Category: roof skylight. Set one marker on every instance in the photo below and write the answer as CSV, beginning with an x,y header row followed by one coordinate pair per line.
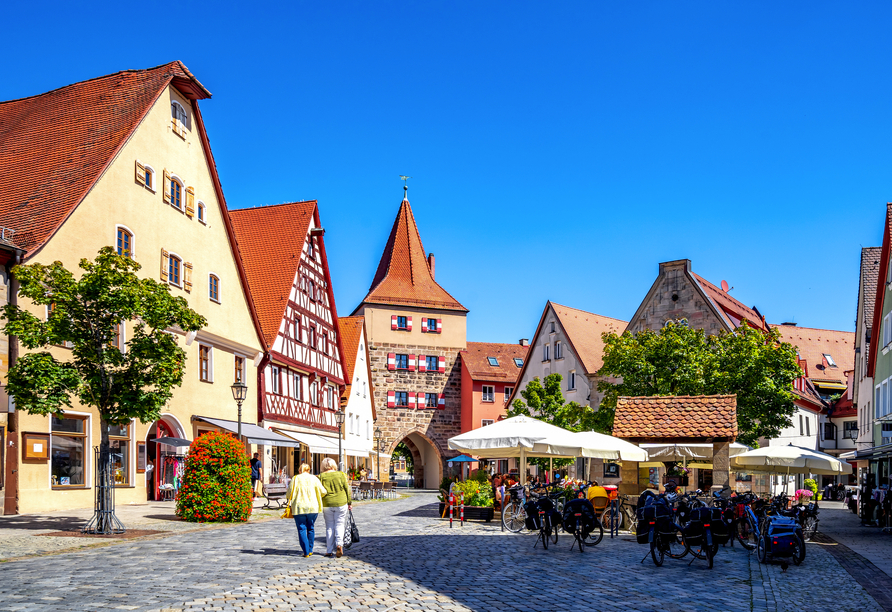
x,y
493,361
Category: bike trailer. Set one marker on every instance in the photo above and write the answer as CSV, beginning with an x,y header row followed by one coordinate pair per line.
x,y
581,511
781,536
652,516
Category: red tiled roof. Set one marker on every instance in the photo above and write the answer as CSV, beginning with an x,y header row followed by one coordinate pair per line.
x,y
678,416
403,277
475,359
584,331
351,332
734,310
55,146
813,343
271,256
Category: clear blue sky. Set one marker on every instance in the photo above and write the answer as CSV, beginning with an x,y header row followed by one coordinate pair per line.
x,y
559,150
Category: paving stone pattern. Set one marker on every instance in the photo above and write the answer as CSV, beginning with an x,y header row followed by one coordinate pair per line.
x,y
410,560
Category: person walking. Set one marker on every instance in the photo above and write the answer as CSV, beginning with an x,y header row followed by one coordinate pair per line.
x,y
256,473
336,502
305,498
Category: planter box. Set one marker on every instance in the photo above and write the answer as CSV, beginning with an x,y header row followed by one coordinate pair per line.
x,y
472,513
681,481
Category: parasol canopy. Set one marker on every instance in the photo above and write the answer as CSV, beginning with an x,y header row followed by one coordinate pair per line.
x,y
512,437
790,460
592,444
680,452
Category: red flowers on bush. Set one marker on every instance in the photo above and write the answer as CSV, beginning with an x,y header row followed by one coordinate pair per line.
x,y
217,482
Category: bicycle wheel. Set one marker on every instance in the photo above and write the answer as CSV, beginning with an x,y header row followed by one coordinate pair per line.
x,y
677,547
799,555
656,551
554,534
809,528
544,533
763,550
608,521
746,533
514,516
710,553
595,535
632,521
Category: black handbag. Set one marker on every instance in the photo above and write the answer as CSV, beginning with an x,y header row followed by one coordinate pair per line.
x,y
354,530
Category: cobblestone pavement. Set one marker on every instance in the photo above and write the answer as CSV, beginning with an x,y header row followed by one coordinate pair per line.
x,y
410,560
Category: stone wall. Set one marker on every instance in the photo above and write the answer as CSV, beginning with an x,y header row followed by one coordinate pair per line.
x,y
430,425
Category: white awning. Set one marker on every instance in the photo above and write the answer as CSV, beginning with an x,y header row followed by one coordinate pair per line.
x,y
322,445
254,434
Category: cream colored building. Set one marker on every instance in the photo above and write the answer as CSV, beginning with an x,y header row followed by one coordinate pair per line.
x,y
123,160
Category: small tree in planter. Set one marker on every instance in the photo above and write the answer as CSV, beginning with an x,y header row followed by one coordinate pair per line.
x,y
217,482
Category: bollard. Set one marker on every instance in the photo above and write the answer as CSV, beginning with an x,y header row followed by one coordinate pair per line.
x,y
451,508
461,511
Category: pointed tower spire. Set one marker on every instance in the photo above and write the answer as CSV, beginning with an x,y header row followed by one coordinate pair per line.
x,y
404,277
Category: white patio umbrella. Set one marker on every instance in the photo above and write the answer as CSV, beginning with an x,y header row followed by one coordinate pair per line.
x,y
595,445
681,452
790,460
515,437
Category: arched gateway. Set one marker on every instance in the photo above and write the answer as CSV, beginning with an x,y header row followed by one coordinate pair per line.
x,y
415,332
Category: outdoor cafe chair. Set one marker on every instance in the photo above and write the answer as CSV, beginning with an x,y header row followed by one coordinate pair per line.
x,y
378,488
600,502
388,489
365,490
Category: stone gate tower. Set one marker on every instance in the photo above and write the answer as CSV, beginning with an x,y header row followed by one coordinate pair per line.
x,y
415,332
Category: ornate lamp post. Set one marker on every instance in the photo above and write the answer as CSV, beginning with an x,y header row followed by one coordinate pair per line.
x,y
378,437
239,394
339,416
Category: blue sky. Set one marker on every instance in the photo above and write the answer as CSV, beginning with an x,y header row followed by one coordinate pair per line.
x,y
559,150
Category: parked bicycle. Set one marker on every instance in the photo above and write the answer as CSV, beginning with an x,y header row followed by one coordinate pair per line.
x,y
514,514
619,514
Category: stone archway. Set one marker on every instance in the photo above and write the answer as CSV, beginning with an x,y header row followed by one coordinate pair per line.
x,y
426,457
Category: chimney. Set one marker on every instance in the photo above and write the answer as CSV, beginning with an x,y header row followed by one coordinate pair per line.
x,y
430,264
524,342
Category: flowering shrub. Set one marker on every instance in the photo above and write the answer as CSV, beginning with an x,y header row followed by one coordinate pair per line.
x,y
476,493
217,482
802,495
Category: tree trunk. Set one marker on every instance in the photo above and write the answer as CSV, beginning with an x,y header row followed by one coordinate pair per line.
x,y
104,520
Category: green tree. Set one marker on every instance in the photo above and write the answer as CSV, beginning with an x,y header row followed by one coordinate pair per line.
x,y
402,452
544,400
85,315
755,365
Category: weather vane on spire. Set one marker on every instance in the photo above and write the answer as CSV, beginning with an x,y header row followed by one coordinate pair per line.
x,y
405,180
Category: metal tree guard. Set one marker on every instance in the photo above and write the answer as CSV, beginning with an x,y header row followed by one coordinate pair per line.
x,y
104,521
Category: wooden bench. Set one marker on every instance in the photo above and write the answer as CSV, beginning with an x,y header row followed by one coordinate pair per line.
x,y
275,493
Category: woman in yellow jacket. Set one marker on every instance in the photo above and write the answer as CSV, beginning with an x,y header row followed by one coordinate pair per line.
x,y
305,498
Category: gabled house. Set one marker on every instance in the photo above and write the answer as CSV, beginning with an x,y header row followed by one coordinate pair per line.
x,y
358,397
124,160
489,372
862,393
415,331
301,373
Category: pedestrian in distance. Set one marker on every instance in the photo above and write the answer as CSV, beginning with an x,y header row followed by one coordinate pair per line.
x,y
336,502
256,473
305,494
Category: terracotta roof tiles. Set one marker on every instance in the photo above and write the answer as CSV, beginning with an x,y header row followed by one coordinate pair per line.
x,y
403,277
583,330
54,146
476,359
679,416
733,309
812,344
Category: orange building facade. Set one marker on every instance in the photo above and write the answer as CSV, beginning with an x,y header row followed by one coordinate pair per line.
x,y
489,373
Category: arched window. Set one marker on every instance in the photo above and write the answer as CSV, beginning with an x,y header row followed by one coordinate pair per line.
x,y
124,242
173,270
150,178
214,288
178,119
202,212
176,194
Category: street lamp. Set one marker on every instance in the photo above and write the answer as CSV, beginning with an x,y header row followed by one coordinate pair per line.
x,y
239,394
378,436
339,416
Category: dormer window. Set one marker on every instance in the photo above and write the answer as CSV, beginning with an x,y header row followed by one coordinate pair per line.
x,y
178,119
829,360
493,361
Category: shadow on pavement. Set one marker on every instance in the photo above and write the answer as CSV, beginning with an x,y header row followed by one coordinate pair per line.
x,y
426,511
29,521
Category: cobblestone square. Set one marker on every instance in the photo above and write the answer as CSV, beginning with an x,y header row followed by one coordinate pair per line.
x,y
409,559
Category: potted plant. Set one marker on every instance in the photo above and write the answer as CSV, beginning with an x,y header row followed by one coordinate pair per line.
x,y
478,500
676,473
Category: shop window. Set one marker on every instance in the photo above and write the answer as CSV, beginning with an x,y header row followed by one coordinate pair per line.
x,y
68,448
119,446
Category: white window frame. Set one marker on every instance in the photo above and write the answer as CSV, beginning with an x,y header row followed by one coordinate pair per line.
x,y
187,121
571,380
154,176
485,422
887,329
201,212
558,350
491,393
546,352
88,448
886,398
350,424
275,383
121,226
508,392
219,284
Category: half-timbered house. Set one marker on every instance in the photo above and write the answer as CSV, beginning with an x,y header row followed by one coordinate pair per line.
x,y
301,373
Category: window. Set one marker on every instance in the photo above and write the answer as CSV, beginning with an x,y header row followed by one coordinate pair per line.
x,y
118,340
119,446
178,119
571,381
801,429
350,423
202,213
239,369
489,393
274,379
402,323
829,360
431,400
887,329
149,178
807,426
402,362
214,288
493,361
298,386
311,335
205,373
311,290
485,422
558,351
518,362
508,392
850,430
552,327
124,242
68,446
368,430
433,363
886,433
432,325
314,394
173,270
402,398
545,352
884,409
176,194
311,247
829,431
